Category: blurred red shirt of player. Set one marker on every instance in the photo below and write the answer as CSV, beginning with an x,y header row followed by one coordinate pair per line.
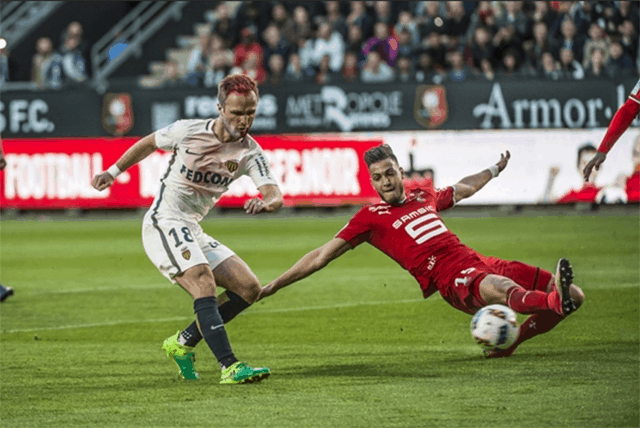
x,y
589,190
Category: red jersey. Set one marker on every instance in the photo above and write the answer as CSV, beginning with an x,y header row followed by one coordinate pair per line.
x,y
588,193
414,235
633,186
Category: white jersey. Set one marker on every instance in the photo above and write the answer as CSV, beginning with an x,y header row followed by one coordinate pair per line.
x,y
202,168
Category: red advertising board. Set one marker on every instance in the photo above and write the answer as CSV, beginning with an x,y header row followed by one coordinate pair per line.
x,y
56,173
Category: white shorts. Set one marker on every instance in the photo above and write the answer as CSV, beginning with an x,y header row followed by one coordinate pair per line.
x,y
174,246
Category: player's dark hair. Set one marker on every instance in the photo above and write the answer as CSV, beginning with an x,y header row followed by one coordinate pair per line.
x,y
586,147
379,153
238,83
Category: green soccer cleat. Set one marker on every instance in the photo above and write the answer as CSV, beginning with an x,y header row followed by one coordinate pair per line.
x,y
241,373
183,356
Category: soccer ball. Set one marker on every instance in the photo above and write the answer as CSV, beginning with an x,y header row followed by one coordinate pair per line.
x,y
495,327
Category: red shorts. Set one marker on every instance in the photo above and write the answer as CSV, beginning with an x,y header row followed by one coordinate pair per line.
x,y
462,290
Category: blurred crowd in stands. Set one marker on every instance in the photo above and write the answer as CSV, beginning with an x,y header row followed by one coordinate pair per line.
x,y
389,41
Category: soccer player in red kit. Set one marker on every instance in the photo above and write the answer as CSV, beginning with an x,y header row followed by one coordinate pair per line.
x,y
406,226
620,122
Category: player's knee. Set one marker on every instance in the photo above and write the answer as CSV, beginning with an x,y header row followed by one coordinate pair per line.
x,y
576,294
251,290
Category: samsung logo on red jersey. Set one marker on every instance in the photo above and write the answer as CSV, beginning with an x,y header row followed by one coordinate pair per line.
x,y
206,177
414,214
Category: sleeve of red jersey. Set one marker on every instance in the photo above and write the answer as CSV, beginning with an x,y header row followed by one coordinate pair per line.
x,y
357,230
621,120
445,198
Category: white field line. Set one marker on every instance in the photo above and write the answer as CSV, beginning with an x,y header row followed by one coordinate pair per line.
x,y
250,312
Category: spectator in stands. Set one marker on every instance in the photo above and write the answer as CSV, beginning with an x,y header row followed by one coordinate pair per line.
x,y
74,65
358,17
620,63
224,25
376,70
74,29
335,18
429,16
436,50
46,65
328,42
251,67
220,62
383,43
275,44
404,72
406,23
294,72
542,43
597,41
405,45
512,15
382,13
350,70
325,75
570,40
597,64
280,17
305,51
254,14
581,13
459,71
488,73
4,65
549,68
543,13
506,39
427,71
276,69
171,75
455,25
571,68
509,66
356,42
629,39
481,46
247,45
198,61
301,24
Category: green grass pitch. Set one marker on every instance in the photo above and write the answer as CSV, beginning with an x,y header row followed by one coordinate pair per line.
x,y
354,345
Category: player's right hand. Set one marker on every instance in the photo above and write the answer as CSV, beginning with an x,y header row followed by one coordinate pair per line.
x,y
595,162
267,290
102,181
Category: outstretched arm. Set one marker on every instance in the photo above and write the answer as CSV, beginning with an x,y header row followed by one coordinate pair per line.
x,y
468,186
620,122
135,154
310,263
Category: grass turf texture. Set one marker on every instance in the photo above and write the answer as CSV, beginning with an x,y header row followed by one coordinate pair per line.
x,y
353,345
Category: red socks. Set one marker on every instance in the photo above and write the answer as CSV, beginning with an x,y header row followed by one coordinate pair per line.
x,y
528,301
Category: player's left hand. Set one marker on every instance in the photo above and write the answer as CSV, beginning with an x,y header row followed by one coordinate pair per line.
x,y
255,206
504,160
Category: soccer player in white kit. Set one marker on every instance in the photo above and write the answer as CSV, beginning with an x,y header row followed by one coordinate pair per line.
x,y
207,156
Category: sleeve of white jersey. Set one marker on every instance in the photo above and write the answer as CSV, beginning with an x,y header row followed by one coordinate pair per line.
x,y
170,136
257,167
